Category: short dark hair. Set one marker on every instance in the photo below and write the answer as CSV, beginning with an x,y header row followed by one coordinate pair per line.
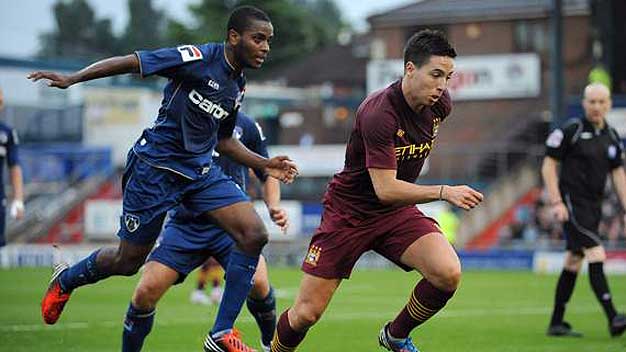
x,y
242,16
426,43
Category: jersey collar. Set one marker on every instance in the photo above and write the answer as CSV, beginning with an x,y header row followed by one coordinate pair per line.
x,y
590,127
228,67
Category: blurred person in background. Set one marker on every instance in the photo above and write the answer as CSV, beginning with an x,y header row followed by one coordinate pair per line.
x,y
171,164
8,153
210,271
449,223
370,204
585,150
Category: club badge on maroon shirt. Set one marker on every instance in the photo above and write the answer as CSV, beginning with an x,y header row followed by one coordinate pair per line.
x,y
387,134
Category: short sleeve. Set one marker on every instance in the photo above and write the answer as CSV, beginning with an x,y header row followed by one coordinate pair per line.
x,y
167,62
559,140
615,151
378,131
12,147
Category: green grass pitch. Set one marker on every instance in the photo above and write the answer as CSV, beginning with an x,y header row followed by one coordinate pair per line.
x,y
491,312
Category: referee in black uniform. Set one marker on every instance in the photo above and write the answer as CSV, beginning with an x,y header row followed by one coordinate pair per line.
x,y
587,150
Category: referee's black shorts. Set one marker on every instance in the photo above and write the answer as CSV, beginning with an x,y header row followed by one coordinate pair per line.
x,y
581,231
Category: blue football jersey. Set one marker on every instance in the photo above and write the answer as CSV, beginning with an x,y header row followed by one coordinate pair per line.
x,y
201,98
251,135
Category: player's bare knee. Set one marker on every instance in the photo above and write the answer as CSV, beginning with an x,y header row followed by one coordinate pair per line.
x,y
145,297
573,262
447,277
306,315
253,238
260,288
573,266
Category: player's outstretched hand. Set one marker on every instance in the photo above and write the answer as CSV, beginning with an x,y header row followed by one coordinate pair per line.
x,y
282,168
54,79
560,213
464,197
17,209
280,218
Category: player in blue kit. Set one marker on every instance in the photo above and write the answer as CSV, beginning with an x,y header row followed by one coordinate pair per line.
x,y
9,152
187,242
171,163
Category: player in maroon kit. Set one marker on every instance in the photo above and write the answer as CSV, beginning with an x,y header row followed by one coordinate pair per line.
x,y
370,205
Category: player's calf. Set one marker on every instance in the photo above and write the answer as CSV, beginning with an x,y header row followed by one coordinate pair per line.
x,y
137,325
286,338
425,301
264,312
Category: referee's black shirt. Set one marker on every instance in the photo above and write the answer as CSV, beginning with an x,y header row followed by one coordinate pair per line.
x,y
586,155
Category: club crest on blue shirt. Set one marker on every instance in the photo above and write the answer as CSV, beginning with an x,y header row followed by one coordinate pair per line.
x,y
132,222
237,132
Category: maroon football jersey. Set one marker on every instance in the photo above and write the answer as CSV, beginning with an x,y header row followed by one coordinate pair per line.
x,y
387,134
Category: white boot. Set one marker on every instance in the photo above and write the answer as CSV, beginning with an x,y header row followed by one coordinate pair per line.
x,y
216,294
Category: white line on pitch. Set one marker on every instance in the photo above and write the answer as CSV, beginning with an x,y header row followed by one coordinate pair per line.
x,y
330,316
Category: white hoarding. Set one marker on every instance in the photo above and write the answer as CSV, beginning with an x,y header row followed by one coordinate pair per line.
x,y
475,77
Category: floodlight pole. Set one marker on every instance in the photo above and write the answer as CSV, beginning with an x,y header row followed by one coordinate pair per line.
x,y
556,63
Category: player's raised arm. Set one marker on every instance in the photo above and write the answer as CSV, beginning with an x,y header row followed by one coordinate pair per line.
x,y
104,68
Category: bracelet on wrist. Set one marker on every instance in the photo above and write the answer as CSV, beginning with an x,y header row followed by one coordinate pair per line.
x,y
441,192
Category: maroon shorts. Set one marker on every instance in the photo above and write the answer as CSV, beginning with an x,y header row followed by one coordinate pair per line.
x,y
339,242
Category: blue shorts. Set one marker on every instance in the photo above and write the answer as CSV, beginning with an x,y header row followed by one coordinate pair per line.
x,y
149,192
186,245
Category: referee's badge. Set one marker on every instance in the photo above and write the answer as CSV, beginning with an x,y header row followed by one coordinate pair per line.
x,y
555,138
612,152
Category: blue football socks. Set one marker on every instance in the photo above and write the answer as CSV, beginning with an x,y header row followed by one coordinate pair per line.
x,y
264,312
241,269
82,273
137,326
